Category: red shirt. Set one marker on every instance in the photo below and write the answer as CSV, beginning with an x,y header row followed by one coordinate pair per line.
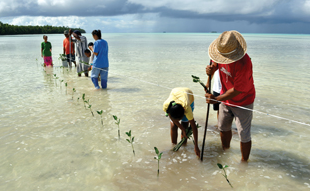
x,y
67,46
238,75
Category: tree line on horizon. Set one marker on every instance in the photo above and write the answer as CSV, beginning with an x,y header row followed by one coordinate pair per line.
x,y
7,29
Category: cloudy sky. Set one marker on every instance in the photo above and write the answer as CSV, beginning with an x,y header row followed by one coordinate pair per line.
x,y
246,16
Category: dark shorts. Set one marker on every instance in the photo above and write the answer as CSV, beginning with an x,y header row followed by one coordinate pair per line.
x,y
216,106
72,58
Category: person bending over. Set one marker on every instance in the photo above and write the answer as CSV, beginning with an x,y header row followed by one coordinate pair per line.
x,y
179,106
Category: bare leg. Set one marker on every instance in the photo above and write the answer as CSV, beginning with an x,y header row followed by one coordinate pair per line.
x,y
226,138
173,133
245,150
185,125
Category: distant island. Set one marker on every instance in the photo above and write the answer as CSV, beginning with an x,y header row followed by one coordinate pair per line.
x,y
6,29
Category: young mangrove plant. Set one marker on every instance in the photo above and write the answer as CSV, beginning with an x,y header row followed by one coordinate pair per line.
x,y
55,77
225,175
60,82
197,80
189,133
66,84
73,90
158,158
117,122
100,113
130,140
83,98
89,106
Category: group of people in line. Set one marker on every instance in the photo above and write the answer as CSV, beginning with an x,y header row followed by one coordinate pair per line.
x,y
87,57
233,94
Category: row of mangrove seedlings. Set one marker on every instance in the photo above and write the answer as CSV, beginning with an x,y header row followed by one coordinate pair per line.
x,y
130,138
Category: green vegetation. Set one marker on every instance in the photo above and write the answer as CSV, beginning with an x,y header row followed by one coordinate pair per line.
x,y
100,113
66,84
117,122
73,90
197,79
89,106
225,175
189,133
7,29
130,140
158,158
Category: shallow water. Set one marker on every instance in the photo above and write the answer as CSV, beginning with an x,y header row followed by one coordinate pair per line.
x,y
49,141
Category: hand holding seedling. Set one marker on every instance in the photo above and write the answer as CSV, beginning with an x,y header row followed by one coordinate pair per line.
x,y
158,158
225,175
189,133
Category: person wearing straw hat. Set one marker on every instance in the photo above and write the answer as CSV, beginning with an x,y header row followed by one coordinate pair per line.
x,y
228,55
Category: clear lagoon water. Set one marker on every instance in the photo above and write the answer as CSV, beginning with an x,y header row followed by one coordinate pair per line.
x,y
49,141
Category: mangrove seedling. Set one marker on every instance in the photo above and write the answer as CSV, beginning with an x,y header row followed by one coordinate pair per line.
x,y
158,158
89,106
73,90
60,82
83,98
100,113
189,133
130,140
66,84
55,77
225,175
117,122
197,79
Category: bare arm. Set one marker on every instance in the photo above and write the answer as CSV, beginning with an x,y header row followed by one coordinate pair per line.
x,y
195,134
231,93
177,123
95,53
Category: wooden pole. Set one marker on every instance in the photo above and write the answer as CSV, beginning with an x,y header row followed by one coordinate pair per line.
x,y
207,118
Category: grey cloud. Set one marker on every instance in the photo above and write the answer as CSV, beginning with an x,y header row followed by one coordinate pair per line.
x,y
274,11
76,8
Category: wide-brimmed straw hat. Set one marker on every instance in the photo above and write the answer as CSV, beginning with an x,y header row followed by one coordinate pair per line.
x,y
229,47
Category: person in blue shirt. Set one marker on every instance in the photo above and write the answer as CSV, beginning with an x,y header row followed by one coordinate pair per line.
x,y
101,61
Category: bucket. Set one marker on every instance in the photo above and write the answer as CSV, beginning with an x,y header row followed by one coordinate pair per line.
x,y
64,63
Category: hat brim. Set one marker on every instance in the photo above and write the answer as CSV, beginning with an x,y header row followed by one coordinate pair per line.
x,y
240,51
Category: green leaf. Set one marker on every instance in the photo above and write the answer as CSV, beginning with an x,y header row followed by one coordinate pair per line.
x,y
127,134
195,77
159,156
220,165
132,139
225,166
155,158
128,140
115,117
156,150
83,97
